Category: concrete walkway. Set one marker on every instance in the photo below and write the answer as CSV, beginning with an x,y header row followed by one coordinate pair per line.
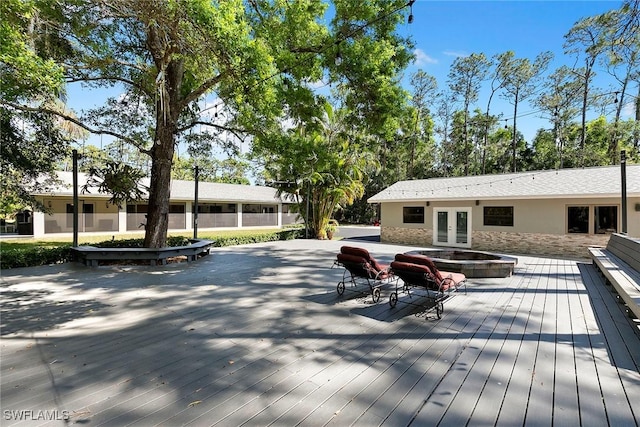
x,y
256,335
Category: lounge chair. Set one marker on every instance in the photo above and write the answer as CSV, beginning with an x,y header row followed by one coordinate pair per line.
x,y
360,266
420,271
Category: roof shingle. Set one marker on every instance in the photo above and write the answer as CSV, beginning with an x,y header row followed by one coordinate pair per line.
x,y
184,190
587,182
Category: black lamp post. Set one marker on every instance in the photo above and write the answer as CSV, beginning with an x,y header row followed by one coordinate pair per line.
x,y
623,176
195,204
75,197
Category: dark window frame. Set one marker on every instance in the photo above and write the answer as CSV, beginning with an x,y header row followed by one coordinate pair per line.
x,y
498,216
575,224
605,222
415,217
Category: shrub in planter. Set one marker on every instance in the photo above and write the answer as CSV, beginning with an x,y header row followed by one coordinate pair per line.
x,y
31,257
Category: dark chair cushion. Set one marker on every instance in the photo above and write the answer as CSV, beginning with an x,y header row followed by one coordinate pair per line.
x,y
352,259
361,252
421,260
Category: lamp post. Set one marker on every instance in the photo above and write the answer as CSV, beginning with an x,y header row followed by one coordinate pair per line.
x,y
75,198
623,176
195,204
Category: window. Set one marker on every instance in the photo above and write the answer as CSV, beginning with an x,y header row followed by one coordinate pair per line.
x,y
176,209
413,215
498,215
247,208
606,219
578,219
137,208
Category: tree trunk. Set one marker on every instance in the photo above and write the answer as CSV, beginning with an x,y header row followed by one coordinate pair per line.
x,y
514,142
614,143
159,190
466,139
167,113
636,133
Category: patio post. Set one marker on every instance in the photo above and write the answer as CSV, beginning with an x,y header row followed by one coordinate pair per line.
x,y
623,176
75,197
195,207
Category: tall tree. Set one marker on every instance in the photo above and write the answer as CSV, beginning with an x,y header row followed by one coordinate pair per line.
x,y
496,84
445,111
622,61
465,78
586,41
519,76
423,96
560,102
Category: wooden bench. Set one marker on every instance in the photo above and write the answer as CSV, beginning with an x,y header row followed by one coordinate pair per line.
x,y
91,255
619,263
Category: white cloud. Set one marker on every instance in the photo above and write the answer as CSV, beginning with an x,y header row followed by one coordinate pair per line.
x,y
457,54
421,58
629,110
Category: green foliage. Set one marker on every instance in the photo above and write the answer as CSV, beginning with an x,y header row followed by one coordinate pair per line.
x,y
27,70
323,165
34,256
230,170
118,179
30,141
30,144
288,234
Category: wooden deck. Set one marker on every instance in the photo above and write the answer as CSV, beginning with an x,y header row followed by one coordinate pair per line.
x,y
256,335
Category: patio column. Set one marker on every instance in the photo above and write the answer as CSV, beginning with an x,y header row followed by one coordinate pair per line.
x,y
38,223
122,219
279,214
239,209
188,216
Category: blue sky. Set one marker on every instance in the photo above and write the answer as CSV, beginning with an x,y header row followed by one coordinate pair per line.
x,y
444,30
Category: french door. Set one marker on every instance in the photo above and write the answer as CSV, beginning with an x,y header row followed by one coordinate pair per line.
x,y
452,227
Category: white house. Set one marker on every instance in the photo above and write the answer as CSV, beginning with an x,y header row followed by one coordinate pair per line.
x,y
554,212
228,206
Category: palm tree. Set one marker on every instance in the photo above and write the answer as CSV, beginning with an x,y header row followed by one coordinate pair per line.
x,y
322,164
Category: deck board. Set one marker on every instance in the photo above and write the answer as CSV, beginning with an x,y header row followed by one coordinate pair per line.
x,y
503,354
257,335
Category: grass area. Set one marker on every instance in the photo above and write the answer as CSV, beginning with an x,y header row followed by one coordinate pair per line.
x,y
57,241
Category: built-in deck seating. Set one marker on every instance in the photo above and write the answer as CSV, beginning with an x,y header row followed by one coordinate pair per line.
x,y
91,255
619,263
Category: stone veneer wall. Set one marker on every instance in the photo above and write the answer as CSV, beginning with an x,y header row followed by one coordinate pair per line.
x,y
569,245
406,236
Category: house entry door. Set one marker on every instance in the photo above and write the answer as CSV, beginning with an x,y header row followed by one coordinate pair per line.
x,y
452,227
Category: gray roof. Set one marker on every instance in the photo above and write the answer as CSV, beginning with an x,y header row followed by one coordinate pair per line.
x,y
562,183
184,190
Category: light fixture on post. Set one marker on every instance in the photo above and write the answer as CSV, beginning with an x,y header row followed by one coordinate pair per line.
x,y
338,59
